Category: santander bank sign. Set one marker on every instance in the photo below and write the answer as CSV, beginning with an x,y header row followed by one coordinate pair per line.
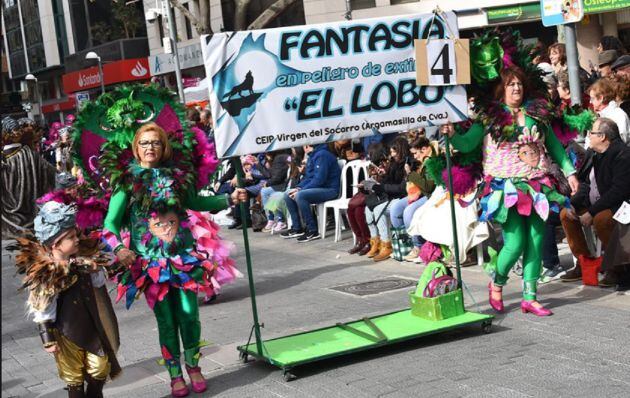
x,y
126,70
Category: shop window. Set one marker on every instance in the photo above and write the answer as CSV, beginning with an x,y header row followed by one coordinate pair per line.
x,y
60,28
395,2
362,4
189,33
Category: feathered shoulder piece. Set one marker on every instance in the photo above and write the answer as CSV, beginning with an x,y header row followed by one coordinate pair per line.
x,y
44,277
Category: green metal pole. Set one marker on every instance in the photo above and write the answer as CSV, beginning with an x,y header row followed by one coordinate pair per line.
x,y
236,163
452,201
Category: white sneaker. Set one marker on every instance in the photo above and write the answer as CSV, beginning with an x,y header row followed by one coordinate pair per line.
x,y
269,226
279,227
413,255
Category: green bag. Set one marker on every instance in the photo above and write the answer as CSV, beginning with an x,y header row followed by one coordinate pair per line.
x,y
433,269
437,308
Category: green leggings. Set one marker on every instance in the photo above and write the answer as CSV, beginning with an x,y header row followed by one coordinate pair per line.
x,y
178,313
521,235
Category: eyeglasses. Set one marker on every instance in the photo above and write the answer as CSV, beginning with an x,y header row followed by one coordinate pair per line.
x,y
595,133
146,144
515,84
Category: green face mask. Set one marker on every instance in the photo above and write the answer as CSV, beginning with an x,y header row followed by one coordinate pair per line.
x,y
486,60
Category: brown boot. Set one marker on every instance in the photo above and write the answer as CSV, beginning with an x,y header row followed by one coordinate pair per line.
x,y
365,249
385,252
357,248
375,246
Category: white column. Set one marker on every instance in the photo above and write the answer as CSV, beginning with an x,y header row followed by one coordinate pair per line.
x,y
49,33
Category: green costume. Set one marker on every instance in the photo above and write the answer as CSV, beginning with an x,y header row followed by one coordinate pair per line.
x,y
168,268
514,189
179,252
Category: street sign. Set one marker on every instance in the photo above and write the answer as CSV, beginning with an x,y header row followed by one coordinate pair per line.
x,y
81,97
560,12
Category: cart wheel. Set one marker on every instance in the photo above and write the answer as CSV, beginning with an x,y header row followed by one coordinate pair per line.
x,y
243,357
288,376
486,327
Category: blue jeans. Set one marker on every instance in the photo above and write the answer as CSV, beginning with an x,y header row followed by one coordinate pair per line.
x,y
265,194
302,205
401,213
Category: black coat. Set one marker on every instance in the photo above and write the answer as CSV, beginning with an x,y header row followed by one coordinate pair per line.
x,y
394,182
277,177
612,174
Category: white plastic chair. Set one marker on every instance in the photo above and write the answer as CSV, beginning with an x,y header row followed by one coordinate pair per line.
x,y
321,210
358,172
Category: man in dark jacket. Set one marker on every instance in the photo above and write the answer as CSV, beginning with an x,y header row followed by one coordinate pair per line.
x,y
596,202
320,184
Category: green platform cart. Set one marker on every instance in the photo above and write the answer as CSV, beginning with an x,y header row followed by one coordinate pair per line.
x,y
423,317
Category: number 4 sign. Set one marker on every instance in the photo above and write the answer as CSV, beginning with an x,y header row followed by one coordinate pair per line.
x,y
442,62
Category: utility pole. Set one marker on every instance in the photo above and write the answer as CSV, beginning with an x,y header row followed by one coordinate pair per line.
x,y
573,64
173,36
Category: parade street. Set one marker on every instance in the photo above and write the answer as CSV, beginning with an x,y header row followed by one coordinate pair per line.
x,y
581,351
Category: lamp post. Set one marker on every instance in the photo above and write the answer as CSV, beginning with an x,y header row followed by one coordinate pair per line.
x,y
31,78
93,55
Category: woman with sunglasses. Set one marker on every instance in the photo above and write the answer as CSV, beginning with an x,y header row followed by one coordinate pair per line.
x,y
516,140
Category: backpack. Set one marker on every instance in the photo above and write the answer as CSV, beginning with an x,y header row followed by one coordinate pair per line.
x,y
435,280
259,218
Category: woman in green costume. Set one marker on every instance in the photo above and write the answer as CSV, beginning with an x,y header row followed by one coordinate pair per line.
x,y
518,191
163,260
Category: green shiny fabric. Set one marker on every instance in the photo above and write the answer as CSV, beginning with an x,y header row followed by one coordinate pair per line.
x,y
178,315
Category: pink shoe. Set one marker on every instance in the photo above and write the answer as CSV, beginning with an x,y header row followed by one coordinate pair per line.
x,y
199,386
269,226
526,306
181,392
497,305
279,227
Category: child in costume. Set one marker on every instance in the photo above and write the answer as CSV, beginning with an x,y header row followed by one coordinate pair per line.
x,y
65,276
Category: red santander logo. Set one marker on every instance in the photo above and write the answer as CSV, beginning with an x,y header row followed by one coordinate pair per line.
x,y
113,72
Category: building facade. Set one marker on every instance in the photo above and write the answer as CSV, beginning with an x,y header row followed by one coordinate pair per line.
x,y
50,39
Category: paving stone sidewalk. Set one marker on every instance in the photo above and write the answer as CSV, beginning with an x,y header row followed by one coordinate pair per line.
x,y
581,351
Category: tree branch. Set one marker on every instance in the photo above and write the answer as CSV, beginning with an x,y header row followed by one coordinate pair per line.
x,y
270,14
199,25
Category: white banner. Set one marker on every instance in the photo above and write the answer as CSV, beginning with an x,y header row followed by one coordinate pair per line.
x,y
285,87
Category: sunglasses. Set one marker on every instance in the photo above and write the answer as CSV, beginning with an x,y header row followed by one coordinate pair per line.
x,y
146,144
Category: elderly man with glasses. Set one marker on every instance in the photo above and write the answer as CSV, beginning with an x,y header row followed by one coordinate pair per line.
x,y
603,190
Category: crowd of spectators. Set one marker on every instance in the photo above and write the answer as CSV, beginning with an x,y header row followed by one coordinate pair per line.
x,y
287,184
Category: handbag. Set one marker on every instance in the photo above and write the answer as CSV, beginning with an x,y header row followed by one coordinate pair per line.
x,y
436,280
401,243
374,199
259,218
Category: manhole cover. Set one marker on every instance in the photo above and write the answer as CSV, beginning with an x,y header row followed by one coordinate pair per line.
x,y
376,286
